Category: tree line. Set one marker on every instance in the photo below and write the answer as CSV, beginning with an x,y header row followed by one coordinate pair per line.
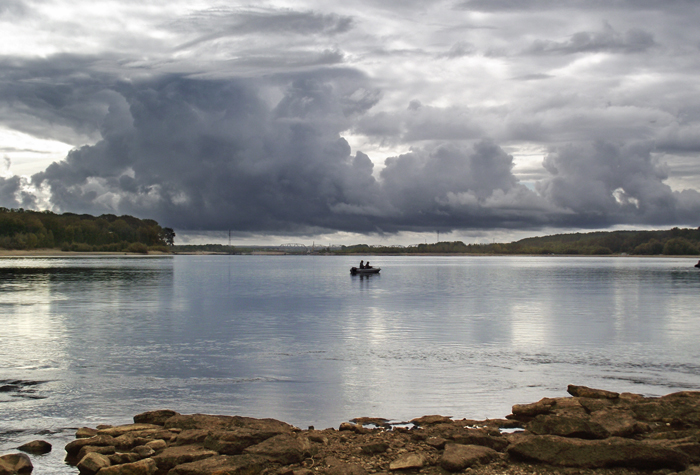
x,y
672,242
26,229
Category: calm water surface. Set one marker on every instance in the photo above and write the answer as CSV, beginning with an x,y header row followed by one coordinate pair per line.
x,y
85,341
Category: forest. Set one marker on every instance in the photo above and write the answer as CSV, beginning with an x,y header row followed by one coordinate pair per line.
x,y
25,230
672,242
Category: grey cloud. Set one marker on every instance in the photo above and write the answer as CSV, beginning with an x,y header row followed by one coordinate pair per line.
x,y
591,5
62,97
218,23
460,49
633,41
603,183
13,8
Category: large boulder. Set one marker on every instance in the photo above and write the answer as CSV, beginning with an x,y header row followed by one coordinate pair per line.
x,y
611,452
15,463
74,446
93,463
208,422
233,442
581,427
583,391
222,464
142,467
173,456
37,447
284,449
155,417
457,457
409,461
127,428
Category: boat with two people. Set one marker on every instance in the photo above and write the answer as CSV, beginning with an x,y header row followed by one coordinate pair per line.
x,y
364,269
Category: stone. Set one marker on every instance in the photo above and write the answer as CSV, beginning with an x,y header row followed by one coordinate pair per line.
x,y
36,447
93,463
155,417
580,427
222,464
16,463
375,448
479,437
430,420
190,436
173,456
142,467
457,457
611,452
106,450
543,406
233,442
123,457
409,461
583,391
157,445
85,433
127,428
74,446
143,451
204,421
284,449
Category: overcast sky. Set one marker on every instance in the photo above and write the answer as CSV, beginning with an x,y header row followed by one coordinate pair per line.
x,y
364,121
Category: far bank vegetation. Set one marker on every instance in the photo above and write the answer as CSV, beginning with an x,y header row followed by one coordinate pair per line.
x,y
26,230
673,242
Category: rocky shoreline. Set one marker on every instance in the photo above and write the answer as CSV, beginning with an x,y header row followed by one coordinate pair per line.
x,y
591,432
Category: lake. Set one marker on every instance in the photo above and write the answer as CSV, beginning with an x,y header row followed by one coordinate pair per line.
x,y
93,340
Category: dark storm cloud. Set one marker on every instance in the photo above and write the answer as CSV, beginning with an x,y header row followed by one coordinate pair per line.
x,y
606,40
198,154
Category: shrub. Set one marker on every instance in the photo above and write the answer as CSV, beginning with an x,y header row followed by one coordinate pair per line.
x,y
138,247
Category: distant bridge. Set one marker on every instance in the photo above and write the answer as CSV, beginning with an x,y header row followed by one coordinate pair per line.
x,y
293,247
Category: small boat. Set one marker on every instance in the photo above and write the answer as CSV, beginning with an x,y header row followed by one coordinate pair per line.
x,y
358,271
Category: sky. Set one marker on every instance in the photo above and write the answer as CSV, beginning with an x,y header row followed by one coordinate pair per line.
x,y
364,121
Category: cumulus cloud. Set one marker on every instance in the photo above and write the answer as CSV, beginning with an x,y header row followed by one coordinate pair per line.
x,y
607,40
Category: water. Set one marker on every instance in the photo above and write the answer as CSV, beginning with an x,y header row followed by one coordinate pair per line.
x,y
86,341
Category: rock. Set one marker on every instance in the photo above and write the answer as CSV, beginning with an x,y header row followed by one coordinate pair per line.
x,y
409,461
436,442
457,457
619,423
479,437
233,442
15,463
204,421
611,452
143,451
350,427
173,456
564,426
430,420
127,428
284,449
583,391
142,467
107,450
122,458
99,441
222,464
157,445
191,436
85,432
93,463
155,417
375,448
36,447
543,406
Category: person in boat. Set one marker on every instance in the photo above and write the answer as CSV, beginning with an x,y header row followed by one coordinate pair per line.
x,y
367,266
696,265
362,265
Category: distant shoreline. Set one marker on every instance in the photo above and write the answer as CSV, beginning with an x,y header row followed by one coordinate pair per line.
x,y
5,253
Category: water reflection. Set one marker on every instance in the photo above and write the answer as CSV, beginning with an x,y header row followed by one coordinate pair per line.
x,y
295,338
